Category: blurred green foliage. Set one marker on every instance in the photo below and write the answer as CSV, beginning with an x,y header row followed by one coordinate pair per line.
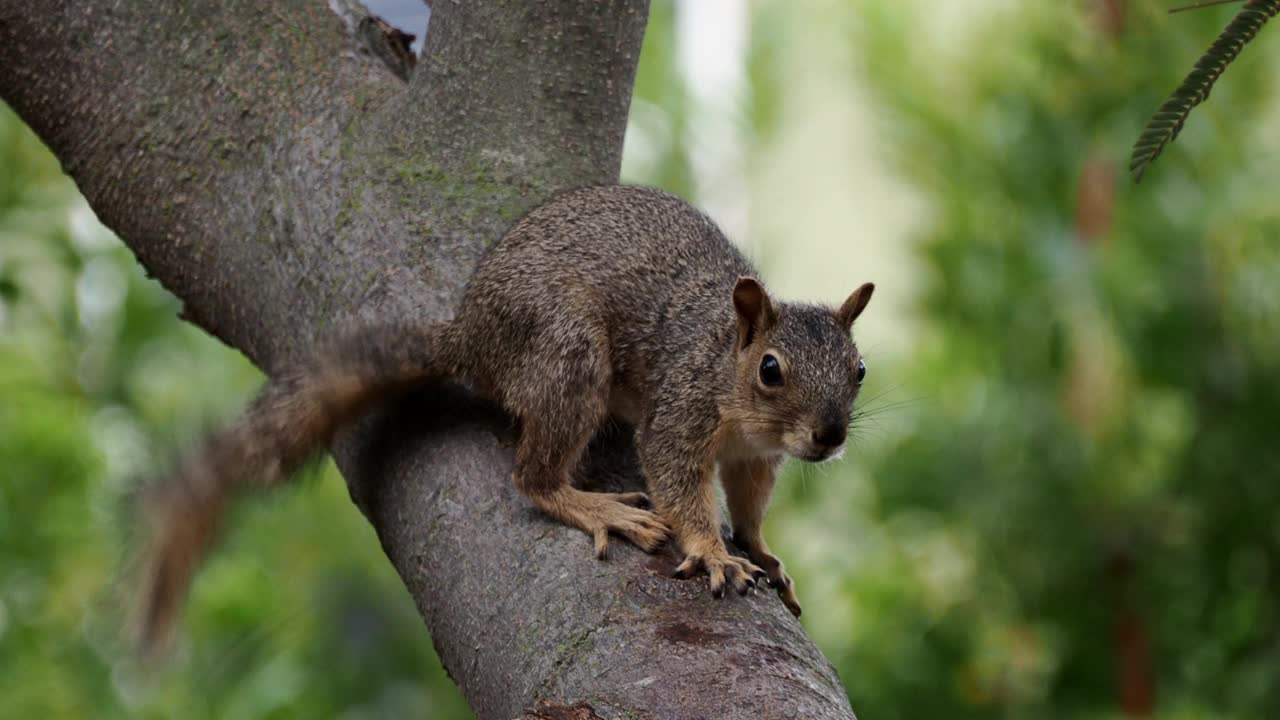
x,y
1085,502
1061,503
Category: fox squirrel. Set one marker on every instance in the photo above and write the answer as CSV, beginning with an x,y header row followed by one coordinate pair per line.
x,y
607,300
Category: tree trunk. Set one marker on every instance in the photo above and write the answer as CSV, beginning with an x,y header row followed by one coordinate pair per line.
x,y
269,165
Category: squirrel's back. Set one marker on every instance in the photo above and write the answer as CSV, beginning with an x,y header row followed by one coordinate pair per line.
x,y
656,268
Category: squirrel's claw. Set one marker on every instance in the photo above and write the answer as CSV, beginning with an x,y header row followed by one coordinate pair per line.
x,y
778,578
600,538
788,595
602,513
786,587
740,572
644,529
634,499
722,569
715,571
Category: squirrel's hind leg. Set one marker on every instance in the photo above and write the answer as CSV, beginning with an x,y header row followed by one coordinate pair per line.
x,y
561,400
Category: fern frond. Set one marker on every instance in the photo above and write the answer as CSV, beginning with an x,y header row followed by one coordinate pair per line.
x,y
1165,125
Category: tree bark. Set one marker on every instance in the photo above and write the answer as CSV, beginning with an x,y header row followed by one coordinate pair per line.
x,y
269,169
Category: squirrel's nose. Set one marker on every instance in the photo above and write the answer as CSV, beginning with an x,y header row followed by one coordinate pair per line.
x,y
830,436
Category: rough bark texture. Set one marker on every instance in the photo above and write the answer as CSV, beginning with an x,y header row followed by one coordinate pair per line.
x,y
268,168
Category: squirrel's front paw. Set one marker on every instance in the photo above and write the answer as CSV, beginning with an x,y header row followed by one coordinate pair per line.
x,y
780,581
721,567
758,551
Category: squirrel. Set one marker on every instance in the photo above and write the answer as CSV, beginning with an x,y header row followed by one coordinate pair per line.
x,y
611,300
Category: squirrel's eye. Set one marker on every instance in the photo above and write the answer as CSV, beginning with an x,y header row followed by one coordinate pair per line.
x,y
770,371
862,370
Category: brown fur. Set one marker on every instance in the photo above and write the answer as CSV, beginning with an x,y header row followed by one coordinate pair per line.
x,y
611,300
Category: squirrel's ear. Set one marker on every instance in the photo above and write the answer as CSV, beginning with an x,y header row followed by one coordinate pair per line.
x,y
854,306
755,312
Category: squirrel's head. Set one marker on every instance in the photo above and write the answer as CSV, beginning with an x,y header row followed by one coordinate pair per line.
x,y
798,372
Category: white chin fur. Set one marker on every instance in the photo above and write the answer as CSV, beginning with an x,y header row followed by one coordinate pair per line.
x,y
810,455
839,453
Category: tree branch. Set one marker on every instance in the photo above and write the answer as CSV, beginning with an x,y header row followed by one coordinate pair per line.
x,y
280,179
207,135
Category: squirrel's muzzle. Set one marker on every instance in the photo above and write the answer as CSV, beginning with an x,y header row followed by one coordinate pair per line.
x,y
830,435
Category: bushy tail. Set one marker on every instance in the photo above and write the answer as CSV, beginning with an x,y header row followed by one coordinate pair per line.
x,y
294,416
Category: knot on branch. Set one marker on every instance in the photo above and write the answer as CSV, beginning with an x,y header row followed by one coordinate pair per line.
x,y
388,43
